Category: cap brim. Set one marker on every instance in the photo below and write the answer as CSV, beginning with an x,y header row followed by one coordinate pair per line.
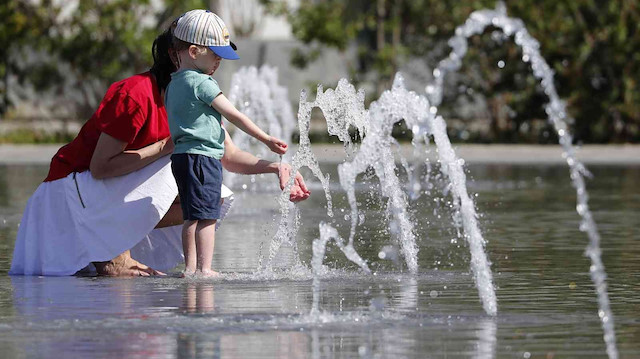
x,y
226,52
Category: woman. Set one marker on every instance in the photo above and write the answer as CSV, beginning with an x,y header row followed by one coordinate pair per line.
x,y
112,185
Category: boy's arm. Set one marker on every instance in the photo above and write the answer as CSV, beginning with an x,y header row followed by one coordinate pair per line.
x,y
231,113
239,161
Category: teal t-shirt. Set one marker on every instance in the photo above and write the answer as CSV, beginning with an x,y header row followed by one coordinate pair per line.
x,y
195,126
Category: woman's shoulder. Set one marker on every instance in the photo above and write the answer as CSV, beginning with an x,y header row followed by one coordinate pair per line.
x,y
143,82
140,88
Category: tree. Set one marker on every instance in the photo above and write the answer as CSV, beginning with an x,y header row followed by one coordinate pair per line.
x,y
594,48
23,24
97,43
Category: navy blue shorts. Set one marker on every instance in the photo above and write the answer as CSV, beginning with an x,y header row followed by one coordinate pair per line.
x,y
199,179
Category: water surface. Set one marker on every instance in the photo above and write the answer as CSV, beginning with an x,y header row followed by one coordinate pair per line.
x,y
547,307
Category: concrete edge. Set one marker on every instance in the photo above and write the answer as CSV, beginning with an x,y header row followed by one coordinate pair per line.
x,y
472,154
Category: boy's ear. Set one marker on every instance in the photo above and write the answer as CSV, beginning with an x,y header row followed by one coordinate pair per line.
x,y
193,51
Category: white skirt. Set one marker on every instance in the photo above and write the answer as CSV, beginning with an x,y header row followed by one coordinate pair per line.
x,y
73,221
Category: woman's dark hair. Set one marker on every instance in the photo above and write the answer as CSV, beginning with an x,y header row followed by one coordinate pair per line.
x,y
163,65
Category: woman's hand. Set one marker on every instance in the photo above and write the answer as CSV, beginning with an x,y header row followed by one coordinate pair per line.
x,y
167,146
299,191
239,161
276,145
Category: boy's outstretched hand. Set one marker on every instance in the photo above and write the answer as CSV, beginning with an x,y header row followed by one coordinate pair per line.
x,y
277,145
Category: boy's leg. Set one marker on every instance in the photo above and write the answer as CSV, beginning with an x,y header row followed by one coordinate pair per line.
x,y
189,248
205,241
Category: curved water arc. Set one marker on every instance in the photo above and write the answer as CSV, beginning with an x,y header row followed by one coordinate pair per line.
x,y
557,115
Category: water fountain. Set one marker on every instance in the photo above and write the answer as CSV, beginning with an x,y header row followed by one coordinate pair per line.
x,y
344,109
267,103
556,110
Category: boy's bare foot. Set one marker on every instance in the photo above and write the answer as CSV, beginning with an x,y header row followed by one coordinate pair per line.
x,y
124,266
187,273
207,273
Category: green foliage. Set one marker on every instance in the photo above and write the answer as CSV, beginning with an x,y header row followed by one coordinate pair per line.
x,y
28,135
22,23
593,46
101,40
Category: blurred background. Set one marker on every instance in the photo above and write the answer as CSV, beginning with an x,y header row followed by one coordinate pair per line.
x,y
57,58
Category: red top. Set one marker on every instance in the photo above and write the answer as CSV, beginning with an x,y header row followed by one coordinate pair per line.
x,y
132,111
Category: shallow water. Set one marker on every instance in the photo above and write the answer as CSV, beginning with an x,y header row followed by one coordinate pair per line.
x,y
547,306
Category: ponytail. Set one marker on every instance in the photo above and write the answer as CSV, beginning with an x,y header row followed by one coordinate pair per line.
x,y
163,66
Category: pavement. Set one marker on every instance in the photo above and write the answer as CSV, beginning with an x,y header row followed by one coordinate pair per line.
x,y
471,153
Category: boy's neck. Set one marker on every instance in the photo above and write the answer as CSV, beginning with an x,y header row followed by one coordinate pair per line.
x,y
185,68
186,62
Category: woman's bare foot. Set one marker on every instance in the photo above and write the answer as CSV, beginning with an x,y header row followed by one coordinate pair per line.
x,y
124,266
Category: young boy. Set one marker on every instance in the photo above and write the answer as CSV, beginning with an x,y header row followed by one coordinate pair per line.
x,y
194,106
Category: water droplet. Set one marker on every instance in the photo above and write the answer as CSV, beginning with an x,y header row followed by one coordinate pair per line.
x,y
501,64
526,355
362,350
433,294
581,209
601,313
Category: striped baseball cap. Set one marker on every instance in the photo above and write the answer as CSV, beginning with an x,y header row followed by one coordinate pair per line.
x,y
202,27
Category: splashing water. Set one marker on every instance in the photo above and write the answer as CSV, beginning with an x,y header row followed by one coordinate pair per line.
x,y
288,228
556,110
344,110
266,103
328,233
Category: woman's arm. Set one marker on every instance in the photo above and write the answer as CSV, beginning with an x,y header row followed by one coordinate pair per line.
x,y
111,160
239,161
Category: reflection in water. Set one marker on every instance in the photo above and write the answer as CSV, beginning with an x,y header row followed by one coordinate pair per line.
x,y
54,298
407,297
486,346
73,305
198,298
